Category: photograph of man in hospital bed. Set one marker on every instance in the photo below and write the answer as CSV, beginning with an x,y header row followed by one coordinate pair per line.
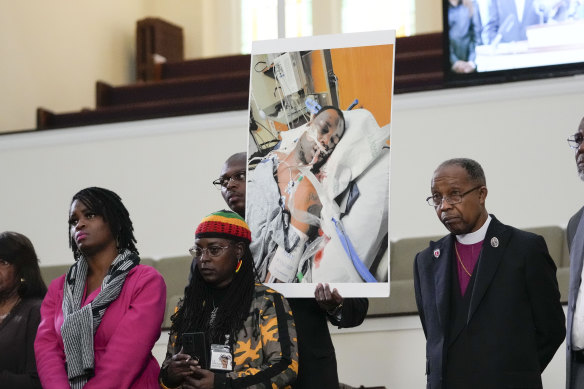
x,y
318,168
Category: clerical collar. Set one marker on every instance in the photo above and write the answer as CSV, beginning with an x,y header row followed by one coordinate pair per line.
x,y
475,237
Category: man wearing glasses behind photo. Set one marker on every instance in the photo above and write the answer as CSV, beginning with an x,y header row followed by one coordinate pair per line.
x,y
575,323
486,293
317,359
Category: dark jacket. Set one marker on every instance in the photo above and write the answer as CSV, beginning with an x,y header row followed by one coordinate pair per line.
x,y
318,363
514,322
575,281
265,351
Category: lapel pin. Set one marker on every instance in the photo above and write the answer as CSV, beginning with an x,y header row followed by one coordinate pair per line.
x,y
436,253
494,242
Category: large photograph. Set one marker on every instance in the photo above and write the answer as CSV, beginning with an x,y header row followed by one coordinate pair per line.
x,y
318,162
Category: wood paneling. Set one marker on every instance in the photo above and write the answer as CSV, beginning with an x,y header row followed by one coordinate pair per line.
x,y
365,73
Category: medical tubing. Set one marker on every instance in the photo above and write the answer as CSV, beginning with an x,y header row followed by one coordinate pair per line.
x,y
350,250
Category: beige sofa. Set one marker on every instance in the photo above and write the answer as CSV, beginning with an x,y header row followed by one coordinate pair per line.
x,y
175,271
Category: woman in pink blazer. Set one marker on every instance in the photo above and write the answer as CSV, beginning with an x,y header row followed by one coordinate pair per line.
x,y
100,321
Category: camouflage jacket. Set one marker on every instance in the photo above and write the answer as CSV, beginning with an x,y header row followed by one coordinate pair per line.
x,y
265,353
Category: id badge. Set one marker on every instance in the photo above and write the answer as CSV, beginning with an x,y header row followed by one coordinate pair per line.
x,y
221,357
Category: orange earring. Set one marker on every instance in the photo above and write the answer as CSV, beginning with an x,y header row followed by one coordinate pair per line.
x,y
238,266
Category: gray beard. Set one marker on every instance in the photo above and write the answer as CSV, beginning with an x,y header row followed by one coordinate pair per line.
x,y
580,172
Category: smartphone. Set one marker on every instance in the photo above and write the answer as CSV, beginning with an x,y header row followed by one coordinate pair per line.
x,y
194,344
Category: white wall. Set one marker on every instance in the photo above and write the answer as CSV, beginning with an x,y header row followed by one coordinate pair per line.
x,y
517,131
163,168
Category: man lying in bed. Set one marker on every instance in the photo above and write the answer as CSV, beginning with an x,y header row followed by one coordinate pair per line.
x,y
284,210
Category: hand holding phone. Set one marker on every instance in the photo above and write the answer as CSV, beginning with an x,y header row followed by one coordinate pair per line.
x,y
181,365
194,344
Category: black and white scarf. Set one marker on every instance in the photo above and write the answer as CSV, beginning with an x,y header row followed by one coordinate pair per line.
x,y
81,323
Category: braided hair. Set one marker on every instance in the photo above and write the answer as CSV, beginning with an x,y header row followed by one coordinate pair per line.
x,y
107,204
195,308
194,312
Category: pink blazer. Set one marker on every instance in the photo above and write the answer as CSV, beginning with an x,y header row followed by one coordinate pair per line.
x,y
123,341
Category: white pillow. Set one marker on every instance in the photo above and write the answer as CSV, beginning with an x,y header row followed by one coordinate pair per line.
x,y
361,144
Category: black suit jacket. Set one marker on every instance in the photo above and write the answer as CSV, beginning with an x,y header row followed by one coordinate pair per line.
x,y
575,280
316,354
573,226
515,322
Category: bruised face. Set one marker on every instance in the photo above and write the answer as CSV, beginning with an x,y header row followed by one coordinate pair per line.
x,y
466,216
322,136
308,149
329,129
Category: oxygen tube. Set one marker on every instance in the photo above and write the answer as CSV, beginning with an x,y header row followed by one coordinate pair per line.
x,y
339,228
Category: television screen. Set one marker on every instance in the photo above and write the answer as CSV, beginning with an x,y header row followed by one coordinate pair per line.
x,y
504,40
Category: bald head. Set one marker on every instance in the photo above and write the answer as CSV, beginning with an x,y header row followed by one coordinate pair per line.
x,y
237,158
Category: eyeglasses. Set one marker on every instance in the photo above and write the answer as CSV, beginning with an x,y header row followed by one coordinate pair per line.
x,y
575,140
223,182
212,251
436,200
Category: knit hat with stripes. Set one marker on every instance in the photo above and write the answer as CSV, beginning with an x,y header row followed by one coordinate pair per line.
x,y
224,224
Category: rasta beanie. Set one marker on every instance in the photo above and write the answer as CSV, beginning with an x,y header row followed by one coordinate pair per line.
x,y
224,224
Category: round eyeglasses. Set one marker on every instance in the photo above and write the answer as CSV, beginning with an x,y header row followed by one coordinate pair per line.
x,y
575,140
436,199
212,251
223,182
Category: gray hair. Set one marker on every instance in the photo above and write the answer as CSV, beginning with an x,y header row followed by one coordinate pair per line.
x,y
472,167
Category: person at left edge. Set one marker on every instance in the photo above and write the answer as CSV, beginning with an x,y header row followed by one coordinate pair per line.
x,y
21,292
242,320
99,322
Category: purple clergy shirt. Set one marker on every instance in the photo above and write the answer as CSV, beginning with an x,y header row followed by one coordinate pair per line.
x,y
468,254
